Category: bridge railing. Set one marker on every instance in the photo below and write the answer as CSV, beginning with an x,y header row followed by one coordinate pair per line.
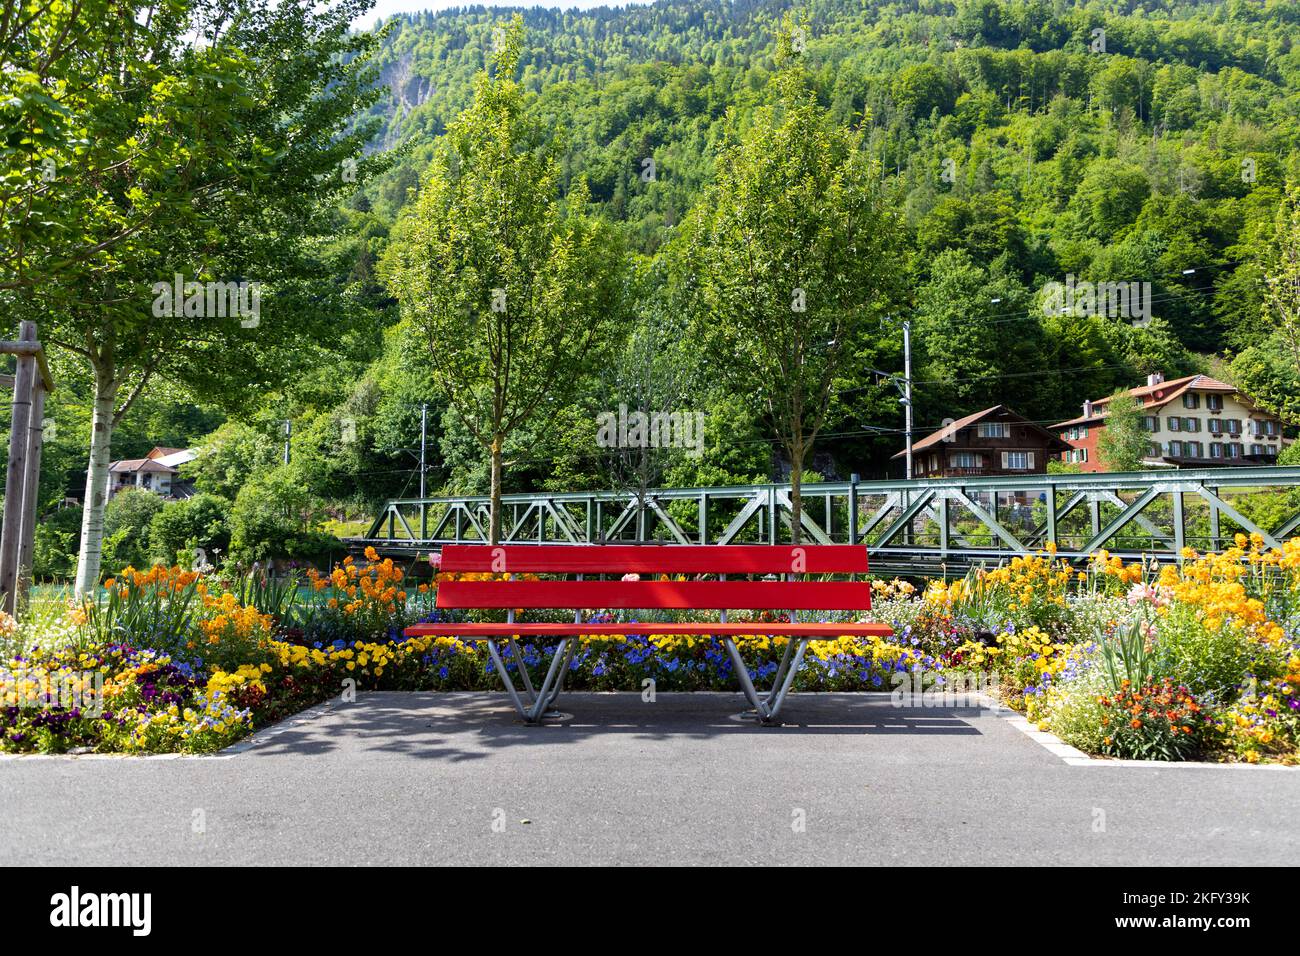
x,y
953,522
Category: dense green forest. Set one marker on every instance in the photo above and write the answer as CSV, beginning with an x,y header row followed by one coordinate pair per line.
x,y
1018,143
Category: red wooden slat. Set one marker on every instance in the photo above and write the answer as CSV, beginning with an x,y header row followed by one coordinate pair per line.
x,y
716,595
481,631
657,559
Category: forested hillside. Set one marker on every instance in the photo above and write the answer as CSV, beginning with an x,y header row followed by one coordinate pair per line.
x,y
1019,142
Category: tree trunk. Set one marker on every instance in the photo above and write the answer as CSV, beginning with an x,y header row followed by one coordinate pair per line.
x,y
494,529
796,492
92,515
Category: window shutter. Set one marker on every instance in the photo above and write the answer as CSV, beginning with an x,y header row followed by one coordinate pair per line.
x,y
1031,459
1005,460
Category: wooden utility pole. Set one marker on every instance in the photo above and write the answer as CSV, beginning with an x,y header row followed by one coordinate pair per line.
x,y
31,382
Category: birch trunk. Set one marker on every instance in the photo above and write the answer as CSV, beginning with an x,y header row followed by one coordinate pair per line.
x,y
92,515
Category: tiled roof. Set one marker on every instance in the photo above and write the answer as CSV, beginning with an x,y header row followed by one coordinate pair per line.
x,y
138,464
952,428
1168,391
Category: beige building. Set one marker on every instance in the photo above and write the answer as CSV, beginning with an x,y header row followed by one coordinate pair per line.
x,y
1192,422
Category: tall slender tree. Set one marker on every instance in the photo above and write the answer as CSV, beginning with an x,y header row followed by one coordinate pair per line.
x,y
793,255
510,283
196,139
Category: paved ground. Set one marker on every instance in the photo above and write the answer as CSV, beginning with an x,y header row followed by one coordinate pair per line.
x,y
421,778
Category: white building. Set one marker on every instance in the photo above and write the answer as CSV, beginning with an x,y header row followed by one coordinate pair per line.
x,y
156,472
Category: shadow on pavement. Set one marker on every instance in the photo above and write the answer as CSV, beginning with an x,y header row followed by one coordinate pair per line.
x,y
469,725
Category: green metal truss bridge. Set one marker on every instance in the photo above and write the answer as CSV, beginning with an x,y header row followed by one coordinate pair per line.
x,y
929,526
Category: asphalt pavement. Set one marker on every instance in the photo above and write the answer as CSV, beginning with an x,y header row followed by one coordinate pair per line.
x,y
456,779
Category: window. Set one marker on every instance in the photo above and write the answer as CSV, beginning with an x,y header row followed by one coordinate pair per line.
x,y
1216,449
1153,450
1018,460
994,430
1175,449
1078,455
1234,426
1214,403
1232,450
1263,427
1257,449
1216,426
1191,424
964,459
1191,400
1175,423
1192,449
1150,423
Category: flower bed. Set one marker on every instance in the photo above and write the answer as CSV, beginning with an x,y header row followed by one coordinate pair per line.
x,y
1198,661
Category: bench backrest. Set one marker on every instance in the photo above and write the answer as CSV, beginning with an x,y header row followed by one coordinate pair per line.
x,y
653,560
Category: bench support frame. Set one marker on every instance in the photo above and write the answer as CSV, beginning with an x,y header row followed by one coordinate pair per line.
x,y
768,705
534,704
542,699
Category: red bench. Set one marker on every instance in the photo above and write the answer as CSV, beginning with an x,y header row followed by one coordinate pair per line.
x,y
713,585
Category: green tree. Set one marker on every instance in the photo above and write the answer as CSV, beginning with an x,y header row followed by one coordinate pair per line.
x,y
198,522
230,454
794,260
1282,299
126,525
204,160
511,285
276,516
1122,444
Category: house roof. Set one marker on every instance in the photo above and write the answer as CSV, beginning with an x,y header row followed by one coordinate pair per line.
x,y
160,451
952,428
1155,396
132,465
175,458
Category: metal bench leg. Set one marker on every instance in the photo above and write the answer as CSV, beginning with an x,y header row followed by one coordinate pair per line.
x,y
523,669
564,671
550,688
505,679
768,705
780,671
781,690
742,675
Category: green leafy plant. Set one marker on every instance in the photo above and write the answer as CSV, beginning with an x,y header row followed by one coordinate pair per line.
x,y
270,595
155,609
1126,657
